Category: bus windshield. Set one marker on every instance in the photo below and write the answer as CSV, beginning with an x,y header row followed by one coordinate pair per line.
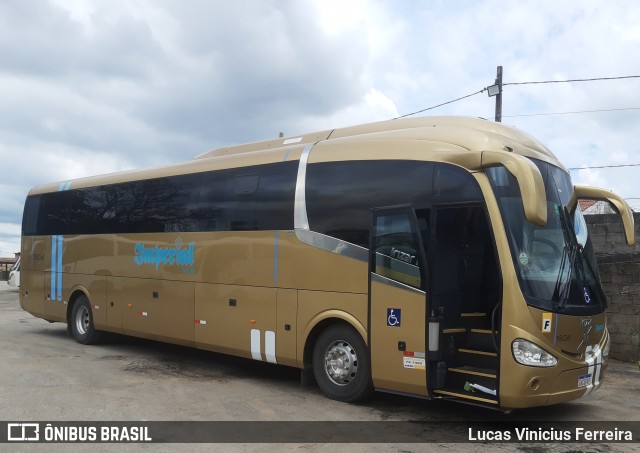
x,y
555,264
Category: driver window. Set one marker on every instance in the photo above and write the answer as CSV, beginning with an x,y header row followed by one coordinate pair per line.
x,y
396,248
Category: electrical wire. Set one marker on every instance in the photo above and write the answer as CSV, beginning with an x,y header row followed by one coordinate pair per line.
x,y
569,113
573,80
593,79
440,105
604,166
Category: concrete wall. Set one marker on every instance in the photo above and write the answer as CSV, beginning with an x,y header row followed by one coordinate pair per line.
x,y
619,267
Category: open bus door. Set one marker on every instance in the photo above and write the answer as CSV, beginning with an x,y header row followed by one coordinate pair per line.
x,y
397,302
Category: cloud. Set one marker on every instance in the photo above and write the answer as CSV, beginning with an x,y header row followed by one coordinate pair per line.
x,y
95,87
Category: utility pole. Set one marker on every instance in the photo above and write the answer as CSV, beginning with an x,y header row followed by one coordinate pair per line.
x,y
496,90
499,95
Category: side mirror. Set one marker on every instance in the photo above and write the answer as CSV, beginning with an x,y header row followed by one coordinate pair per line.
x,y
616,202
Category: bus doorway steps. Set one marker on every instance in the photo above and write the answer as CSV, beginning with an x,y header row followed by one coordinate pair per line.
x,y
488,399
474,378
473,320
472,372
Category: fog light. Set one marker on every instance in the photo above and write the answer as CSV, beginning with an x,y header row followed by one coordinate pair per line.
x,y
527,353
535,384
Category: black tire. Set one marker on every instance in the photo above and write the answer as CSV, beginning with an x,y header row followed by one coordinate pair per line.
x,y
341,364
81,323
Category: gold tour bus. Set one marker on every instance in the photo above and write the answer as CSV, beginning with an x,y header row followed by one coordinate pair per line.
x,y
440,257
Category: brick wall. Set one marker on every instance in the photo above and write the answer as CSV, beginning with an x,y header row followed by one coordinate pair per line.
x,y
619,267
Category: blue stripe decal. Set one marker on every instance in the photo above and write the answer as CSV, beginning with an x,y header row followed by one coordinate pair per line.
x,y
286,156
275,260
54,260
555,334
64,186
59,268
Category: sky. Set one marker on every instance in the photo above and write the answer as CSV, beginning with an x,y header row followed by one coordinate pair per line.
x,y
93,87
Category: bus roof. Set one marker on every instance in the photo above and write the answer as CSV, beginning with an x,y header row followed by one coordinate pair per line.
x,y
461,133
479,128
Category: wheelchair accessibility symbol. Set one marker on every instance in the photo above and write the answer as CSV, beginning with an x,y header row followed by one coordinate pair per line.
x,y
393,317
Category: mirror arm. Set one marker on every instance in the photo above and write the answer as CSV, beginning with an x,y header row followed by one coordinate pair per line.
x,y
529,179
616,201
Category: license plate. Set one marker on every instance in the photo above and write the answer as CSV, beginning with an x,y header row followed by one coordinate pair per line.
x,y
585,380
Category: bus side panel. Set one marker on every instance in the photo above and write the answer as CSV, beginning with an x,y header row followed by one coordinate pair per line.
x,y
234,257
287,301
115,307
156,309
238,320
391,368
32,289
306,267
54,309
32,293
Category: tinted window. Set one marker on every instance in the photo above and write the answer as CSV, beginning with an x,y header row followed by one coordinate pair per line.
x,y
30,216
454,184
340,195
130,210
167,203
397,248
77,211
255,198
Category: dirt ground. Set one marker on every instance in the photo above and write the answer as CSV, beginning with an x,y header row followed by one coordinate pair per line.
x,y
45,375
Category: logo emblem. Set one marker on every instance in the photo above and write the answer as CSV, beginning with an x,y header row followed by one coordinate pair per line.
x,y
394,316
180,254
23,432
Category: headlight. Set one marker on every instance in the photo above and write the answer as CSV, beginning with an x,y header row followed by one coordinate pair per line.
x,y
531,354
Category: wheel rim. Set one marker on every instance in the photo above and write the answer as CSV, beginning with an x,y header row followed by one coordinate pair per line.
x,y
340,362
82,320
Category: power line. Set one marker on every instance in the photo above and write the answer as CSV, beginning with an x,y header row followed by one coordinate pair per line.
x,y
569,113
532,83
604,166
440,105
573,80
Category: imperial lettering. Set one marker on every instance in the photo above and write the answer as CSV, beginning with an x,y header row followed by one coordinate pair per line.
x,y
163,256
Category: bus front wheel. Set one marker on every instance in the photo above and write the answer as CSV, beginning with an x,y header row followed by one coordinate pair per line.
x,y
341,364
82,322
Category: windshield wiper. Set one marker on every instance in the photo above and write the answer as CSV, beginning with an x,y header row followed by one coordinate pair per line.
x,y
563,285
561,289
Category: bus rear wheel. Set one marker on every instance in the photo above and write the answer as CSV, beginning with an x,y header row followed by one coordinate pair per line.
x,y
81,322
341,364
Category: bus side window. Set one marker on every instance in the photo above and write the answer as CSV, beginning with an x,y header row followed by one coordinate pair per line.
x,y
396,249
